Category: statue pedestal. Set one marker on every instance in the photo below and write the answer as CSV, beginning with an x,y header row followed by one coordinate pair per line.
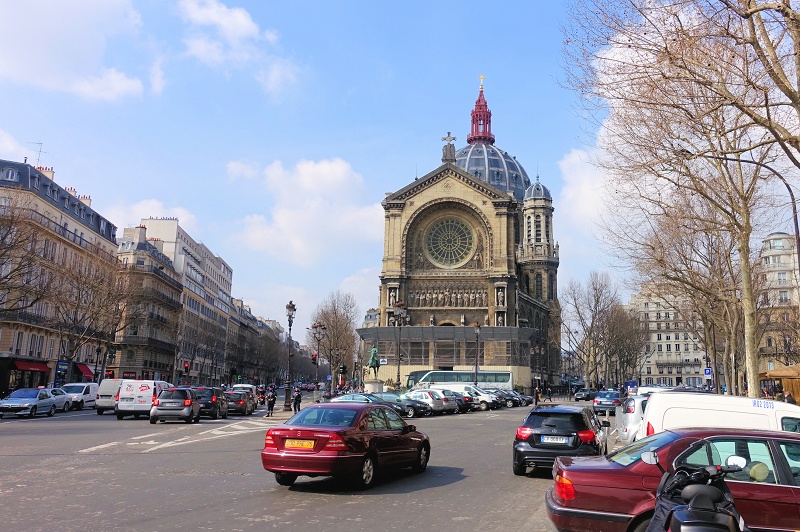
x,y
373,385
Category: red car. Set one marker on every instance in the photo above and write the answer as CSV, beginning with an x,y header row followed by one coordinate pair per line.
x,y
343,439
616,493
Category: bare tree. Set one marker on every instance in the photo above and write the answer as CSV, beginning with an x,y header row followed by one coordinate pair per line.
x,y
339,313
26,255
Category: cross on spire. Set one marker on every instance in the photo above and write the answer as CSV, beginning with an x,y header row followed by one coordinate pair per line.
x,y
449,138
481,77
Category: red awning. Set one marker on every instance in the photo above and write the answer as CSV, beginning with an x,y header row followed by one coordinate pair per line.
x,y
86,370
32,366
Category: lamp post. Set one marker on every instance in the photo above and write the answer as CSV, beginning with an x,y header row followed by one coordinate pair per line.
x,y
96,360
287,404
477,351
400,316
317,333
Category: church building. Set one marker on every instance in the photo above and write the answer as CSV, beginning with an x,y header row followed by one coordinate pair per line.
x,y
469,275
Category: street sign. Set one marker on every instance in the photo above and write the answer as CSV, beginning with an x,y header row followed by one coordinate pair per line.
x,y
384,362
707,372
329,377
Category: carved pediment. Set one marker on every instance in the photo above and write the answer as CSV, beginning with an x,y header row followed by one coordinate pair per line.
x,y
440,176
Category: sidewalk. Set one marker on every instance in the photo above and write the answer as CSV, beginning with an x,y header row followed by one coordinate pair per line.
x,y
279,414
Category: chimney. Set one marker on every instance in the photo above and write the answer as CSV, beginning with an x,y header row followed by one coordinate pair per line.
x,y
140,235
47,171
71,191
86,200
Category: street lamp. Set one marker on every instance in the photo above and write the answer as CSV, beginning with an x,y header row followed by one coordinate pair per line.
x,y
287,404
477,351
317,333
96,360
400,316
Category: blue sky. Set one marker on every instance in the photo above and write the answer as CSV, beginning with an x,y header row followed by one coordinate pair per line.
x,y
272,130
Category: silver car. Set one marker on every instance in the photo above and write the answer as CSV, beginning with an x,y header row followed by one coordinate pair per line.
x,y
28,402
630,417
176,403
432,397
61,398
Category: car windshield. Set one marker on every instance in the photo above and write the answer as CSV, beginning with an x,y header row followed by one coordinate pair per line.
x,y
584,390
203,392
555,420
235,395
608,395
28,393
324,417
633,452
174,394
74,388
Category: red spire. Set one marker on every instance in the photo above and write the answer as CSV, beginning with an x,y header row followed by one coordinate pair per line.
x,y
481,121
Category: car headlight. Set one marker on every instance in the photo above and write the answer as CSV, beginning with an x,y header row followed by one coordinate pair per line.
x,y
25,404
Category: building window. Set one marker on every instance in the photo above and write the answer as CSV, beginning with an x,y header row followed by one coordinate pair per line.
x,y
658,336
648,370
669,347
659,348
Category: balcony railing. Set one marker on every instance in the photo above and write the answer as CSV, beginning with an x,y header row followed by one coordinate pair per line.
x,y
177,285
149,342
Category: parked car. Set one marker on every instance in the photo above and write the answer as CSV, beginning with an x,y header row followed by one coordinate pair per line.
x,y
450,401
350,439
107,395
81,394
412,407
558,430
606,402
430,397
464,400
176,403
630,418
616,493
368,398
238,403
526,399
61,399
213,402
586,394
28,402
509,399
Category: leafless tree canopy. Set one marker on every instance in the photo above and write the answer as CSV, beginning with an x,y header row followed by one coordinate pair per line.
x,y
339,313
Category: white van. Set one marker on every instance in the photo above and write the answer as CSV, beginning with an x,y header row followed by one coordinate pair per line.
x,y
484,399
107,395
136,397
671,410
81,394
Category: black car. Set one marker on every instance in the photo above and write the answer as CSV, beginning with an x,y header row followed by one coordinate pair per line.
x,y
368,398
412,407
213,402
464,403
558,430
509,399
239,403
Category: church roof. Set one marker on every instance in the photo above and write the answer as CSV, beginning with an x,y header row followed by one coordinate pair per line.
x,y
538,190
489,163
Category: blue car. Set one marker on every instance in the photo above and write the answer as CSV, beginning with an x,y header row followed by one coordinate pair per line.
x,y
28,402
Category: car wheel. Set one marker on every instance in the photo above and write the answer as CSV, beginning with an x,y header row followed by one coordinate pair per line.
x,y
100,411
641,527
423,455
120,416
52,411
153,420
197,418
410,411
80,406
484,406
366,474
509,403
32,412
66,406
519,469
285,479
215,414
188,419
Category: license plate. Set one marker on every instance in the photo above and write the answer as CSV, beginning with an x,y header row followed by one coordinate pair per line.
x,y
299,444
127,399
554,439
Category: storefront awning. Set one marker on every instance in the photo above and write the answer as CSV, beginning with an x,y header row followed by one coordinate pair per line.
x,y
86,370
24,365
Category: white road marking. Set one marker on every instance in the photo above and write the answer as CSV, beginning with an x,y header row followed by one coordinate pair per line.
x,y
98,447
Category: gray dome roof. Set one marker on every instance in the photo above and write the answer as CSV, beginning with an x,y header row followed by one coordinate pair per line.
x,y
494,166
538,190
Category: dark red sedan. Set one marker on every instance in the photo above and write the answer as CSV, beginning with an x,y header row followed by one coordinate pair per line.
x,y
616,493
343,439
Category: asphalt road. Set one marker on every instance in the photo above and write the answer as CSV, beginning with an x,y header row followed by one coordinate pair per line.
x,y
81,471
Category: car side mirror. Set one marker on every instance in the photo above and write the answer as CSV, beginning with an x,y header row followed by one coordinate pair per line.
x,y
736,460
409,428
650,457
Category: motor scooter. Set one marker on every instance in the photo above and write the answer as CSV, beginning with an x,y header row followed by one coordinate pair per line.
x,y
696,499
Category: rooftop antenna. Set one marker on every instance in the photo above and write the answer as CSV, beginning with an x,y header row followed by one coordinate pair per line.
x,y
39,153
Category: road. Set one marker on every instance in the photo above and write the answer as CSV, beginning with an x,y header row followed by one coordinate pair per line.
x,y
81,471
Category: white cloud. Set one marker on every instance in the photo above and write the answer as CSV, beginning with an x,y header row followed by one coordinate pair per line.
x,y
225,37
60,46
111,85
240,169
11,150
363,284
131,215
157,82
315,215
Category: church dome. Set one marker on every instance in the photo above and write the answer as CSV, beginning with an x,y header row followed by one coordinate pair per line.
x,y
538,191
487,162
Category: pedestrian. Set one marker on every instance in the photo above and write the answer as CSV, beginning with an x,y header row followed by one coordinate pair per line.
x,y
790,398
550,394
296,398
271,399
536,397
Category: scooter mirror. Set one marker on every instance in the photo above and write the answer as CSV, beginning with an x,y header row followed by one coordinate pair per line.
x,y
736,460
650,457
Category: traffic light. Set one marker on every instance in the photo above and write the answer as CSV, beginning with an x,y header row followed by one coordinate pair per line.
x,y
185,368
343,369
239,378
314,358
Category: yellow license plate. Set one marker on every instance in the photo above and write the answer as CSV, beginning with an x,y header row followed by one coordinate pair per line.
x,y
299,444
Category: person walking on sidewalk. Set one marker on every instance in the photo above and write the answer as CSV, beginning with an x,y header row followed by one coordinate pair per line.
x,y
296,398
271,398
549,394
